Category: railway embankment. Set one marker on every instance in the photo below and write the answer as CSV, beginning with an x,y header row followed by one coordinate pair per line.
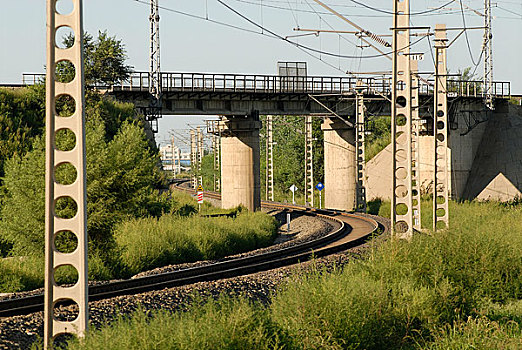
x,y
454,289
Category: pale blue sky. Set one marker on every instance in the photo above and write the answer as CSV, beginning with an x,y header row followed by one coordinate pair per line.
x,y
197,45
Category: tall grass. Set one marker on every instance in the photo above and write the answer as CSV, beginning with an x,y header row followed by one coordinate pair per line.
x,y
27,273
225,324
171,239
456,289
141,244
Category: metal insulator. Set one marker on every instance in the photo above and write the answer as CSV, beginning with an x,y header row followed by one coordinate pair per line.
x,y
377,38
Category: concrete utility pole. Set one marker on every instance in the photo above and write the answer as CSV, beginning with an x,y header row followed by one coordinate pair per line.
x,y
488,55
193,158
440,132
55,190
401,198
200,154
309,161
177,161
360,135
269,159
216,149
415,146
154,112
173,157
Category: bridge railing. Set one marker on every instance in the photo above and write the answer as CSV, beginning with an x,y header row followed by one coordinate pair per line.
x,y
311,85
201,82
252,83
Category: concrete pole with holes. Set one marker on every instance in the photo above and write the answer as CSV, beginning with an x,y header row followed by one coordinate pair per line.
x,y
360,135
193,158
200,151
55,191
440,132
269,158
173,157
177,161
401,107
216,149
415,146
309,161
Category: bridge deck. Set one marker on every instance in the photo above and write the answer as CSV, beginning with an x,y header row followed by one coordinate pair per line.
x,y
207,82
235,94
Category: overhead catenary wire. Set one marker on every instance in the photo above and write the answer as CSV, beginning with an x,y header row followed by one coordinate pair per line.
x,y
466,35
191,15
411,14
304,46
267,32
423,13
329,25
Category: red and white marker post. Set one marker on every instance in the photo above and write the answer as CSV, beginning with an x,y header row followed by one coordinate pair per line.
x,y
200,196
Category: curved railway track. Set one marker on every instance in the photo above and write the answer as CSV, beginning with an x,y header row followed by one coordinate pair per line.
x,y
349,231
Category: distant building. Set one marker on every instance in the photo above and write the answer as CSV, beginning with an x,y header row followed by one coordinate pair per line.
x,y
170,155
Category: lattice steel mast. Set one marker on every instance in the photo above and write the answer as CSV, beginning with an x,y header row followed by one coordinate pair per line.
x,y
56,190
488,55
154,110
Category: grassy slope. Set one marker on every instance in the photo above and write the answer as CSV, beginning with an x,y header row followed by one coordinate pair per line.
x,y
460,289
142,244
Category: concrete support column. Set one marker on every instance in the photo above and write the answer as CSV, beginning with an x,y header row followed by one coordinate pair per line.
x,y
339,165
240,162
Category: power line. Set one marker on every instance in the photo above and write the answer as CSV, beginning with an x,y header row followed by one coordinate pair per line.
x,y
304,46
411,14
423,13
510,11
200,18
466,35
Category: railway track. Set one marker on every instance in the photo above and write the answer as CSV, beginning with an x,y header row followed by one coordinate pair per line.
x,y
349,231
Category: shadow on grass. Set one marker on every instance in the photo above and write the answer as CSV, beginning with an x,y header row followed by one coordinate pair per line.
x,y
374,206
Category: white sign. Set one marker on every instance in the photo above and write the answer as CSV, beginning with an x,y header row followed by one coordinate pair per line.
x,y
293,188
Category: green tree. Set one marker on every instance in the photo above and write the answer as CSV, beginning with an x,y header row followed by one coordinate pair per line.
x,y
104,60
22,115
121,180
289,153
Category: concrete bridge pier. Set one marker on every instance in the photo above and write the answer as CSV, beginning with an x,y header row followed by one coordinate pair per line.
x,y
240,162
339,165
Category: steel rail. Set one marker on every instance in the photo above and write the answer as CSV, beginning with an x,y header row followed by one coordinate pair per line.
x,y
352,230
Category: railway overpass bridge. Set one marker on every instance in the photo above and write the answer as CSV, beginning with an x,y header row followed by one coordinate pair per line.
x,y
240,99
